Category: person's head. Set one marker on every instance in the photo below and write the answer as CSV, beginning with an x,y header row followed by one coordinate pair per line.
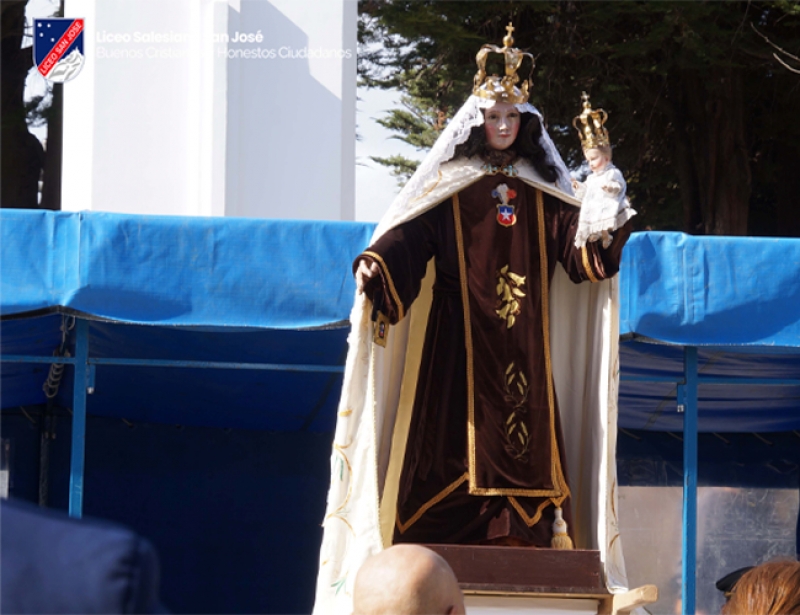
x,y
527,144
407,579
598,158
769,589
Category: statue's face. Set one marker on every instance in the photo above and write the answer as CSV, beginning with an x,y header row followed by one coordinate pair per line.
x,y
597,160
502,125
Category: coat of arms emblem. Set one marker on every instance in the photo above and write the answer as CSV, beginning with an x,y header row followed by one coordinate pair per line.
x,y
506,216
58,48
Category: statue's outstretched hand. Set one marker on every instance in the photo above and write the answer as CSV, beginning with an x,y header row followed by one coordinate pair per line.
x,y
364,274
612,188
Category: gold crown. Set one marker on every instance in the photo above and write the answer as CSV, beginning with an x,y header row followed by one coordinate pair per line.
x,y
502,89
592,130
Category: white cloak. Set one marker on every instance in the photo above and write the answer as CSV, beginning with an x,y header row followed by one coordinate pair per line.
x,y
374,411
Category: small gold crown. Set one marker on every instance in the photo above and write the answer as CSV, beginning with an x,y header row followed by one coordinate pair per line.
x,y
592,130
502,89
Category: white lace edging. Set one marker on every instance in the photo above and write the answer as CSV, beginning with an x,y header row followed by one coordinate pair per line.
x,y
457,132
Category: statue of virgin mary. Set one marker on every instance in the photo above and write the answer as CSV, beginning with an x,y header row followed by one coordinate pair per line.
x,y
479,398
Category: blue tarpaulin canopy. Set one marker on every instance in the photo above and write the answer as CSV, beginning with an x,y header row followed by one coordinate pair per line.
x,y
737,301
711,291
185,289
280,292
180,271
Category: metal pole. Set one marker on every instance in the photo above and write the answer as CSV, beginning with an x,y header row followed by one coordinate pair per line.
x,y
689,401
45,431
79,418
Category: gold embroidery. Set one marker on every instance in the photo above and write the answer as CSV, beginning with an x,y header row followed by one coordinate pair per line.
x,y
346,412
434,500
560,490
518,440
392,289
429,190
587,265
509,291
374,415
341,513
614,499
529,521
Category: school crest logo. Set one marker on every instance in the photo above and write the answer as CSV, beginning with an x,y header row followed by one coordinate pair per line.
x,y
58,48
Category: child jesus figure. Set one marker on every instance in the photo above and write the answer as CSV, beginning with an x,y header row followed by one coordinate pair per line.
x,y
604,205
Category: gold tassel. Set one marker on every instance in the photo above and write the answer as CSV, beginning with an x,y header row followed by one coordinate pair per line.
x,y
561,539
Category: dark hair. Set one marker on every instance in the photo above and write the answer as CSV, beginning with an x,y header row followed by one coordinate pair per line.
x,y
527,145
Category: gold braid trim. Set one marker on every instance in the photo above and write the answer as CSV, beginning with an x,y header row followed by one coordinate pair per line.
x,y
556,473
587,265
462,271
400,310
434,500
529,521
418,319
560,490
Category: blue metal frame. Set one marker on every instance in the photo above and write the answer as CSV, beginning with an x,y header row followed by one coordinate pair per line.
x,y
79,418
718,380
84,376
283,367
688,395
688,404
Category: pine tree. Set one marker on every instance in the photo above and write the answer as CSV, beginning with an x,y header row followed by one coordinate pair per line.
x,y
701,114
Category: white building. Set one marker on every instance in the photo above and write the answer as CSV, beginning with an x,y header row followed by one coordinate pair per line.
x,y
213,107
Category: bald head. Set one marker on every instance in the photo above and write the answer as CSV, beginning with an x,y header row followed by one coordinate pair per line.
x,y
407,579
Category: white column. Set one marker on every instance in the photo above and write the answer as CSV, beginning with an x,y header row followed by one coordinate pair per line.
x,y
291,126
78,152
349,87
213,107
144,122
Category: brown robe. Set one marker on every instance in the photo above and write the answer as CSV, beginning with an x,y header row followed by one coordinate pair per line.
x,y
484,460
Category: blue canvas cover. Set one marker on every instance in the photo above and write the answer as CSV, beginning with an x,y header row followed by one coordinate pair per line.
x,y
711,291
184,289
180,271
736,298
224,289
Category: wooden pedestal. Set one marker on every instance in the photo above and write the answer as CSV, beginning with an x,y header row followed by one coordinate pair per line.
x,y
516,572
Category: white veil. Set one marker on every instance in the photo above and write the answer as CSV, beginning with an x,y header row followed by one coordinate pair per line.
x,y
454,134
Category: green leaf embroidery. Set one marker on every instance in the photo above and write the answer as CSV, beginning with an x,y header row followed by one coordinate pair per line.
x,y
338,585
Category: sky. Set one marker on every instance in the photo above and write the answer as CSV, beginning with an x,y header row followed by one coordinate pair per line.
x,y
375,185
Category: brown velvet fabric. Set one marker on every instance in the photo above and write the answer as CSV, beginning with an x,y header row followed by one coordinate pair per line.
x,y
513,420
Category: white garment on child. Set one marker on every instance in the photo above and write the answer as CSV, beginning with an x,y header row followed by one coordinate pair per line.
x,y
602,210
